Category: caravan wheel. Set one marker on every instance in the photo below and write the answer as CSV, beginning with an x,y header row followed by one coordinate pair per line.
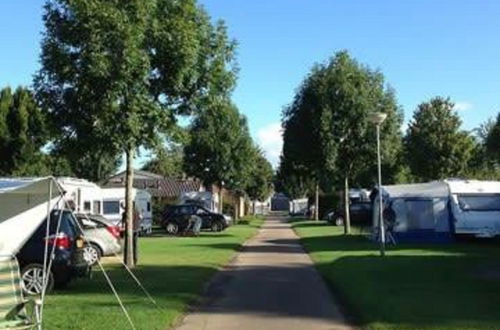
x,y
32,280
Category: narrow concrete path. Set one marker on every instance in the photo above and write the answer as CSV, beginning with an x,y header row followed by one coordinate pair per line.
x,y
271,284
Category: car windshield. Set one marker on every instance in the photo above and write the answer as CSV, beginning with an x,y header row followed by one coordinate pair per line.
x,y
479,202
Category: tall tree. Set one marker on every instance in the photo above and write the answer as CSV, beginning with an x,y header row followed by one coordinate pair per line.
x,y
116,73
22,134
220,148
436,147
260,184
327,135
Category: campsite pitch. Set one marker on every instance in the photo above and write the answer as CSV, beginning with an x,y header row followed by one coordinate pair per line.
x,y
173,270
448,286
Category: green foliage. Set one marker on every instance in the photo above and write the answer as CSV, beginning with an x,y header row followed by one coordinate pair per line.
x,y
22,134
492,140
219,147
436,148
260,184
168,161
327,135
116,73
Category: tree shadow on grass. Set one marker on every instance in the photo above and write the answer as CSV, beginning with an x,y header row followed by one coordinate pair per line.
x,y
415,291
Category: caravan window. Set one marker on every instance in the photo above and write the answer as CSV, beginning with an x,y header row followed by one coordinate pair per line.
x,y
86,206
111,207
481,202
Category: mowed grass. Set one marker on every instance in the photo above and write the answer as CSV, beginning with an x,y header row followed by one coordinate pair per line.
x,y
173,269
452,286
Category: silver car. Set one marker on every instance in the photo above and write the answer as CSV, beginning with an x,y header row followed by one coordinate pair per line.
x,y
102,237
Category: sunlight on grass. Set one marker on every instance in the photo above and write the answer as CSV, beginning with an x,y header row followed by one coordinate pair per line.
x,y
448,286
173,269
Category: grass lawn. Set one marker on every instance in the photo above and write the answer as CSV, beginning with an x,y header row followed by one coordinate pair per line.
x,y
173,269
454,286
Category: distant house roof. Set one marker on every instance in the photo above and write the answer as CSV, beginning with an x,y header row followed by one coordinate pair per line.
x,y
156,185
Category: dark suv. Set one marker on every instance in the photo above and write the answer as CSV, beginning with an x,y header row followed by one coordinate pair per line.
x,y
176,218
360,213
68,261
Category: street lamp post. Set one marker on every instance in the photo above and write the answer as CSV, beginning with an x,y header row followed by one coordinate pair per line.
x,y
378,118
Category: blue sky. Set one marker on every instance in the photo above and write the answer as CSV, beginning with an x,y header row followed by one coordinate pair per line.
x,y
424,48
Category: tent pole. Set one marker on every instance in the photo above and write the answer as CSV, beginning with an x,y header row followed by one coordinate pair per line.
x,y
46,248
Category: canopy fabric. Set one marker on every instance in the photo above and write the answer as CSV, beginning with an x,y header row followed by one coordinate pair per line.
x,y
436,189
23,206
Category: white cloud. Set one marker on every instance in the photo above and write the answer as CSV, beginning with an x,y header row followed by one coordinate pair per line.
x,y
270,138
463,106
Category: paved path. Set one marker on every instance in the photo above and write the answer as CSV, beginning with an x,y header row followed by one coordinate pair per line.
x,y
272,284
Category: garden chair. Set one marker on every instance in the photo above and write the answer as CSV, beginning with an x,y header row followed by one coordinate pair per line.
x,y
16,312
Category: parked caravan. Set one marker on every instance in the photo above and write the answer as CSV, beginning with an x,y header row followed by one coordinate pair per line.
x,y
475,206
113,206
415,212
85,196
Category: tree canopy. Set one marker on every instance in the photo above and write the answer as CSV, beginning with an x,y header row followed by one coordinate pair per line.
x,y
436,147
220,147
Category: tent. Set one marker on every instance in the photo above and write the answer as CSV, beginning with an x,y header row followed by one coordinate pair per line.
x,y
24,204
416,212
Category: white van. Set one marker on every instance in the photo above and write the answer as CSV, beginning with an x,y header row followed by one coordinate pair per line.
x,y
113,200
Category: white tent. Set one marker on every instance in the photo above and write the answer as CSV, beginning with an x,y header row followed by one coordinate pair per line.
x,y
24,204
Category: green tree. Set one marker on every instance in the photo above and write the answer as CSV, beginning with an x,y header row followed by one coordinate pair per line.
x,y
327,134
22,134
260,184
167,161
436,147
492,139
220,150
116,73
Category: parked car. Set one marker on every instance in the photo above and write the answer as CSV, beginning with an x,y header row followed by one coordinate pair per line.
x,y
68,261
360,213
176,218
102,237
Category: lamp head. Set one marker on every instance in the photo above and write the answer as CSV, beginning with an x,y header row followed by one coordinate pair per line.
x,y
377,118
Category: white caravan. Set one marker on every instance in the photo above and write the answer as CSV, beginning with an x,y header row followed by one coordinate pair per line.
x,y
475,206
84,195
114,206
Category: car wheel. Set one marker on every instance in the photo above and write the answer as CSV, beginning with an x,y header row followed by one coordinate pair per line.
x,y
172,228
92,254
32,280
214,226
339,221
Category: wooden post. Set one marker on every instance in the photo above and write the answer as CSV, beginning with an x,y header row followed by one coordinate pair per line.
x,y
347,220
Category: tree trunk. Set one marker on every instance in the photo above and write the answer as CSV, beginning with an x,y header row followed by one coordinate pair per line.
x,y
347,220
316,203
129,211
221,202
236,207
